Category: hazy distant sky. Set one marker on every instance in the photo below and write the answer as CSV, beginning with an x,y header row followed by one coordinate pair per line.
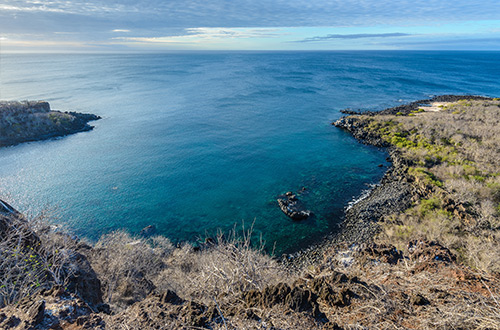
x,y
160,25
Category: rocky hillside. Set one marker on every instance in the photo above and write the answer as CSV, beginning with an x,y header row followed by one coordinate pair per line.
x,y
34,120
447,156
420,252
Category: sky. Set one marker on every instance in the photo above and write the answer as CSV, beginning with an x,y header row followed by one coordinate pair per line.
x,y
168,25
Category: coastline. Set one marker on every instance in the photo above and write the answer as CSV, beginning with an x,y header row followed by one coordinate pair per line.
x,y
392,194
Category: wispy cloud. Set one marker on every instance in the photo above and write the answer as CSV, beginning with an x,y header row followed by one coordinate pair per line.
x,y
41,8
265,13
203,34
457,43
312,23
354,36
212,33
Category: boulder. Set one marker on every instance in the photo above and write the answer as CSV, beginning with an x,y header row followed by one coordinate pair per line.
x,y
50,309
293,207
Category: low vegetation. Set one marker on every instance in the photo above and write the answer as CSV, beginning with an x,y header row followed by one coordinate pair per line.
x,y
147,283
453,157
132,267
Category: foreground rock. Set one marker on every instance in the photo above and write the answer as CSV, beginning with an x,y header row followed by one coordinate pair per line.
x,y
50,309
34,120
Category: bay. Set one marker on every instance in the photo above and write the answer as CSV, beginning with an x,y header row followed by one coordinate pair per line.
x,y
195,142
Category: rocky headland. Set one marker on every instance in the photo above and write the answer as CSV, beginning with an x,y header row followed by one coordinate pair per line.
x,y
420,251
34,120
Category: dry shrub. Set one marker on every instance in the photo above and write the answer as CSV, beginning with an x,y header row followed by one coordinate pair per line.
x,y
457,297
22,272
125,266
276,317
130,268
453,155
483,252
32,256
226,268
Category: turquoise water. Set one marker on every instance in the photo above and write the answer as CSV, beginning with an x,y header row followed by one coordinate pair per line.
x,y
199,141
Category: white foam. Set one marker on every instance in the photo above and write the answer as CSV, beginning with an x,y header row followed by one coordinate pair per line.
x,y
365,193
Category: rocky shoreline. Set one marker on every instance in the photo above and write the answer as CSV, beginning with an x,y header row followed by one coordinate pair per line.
x,y
394,193
35,121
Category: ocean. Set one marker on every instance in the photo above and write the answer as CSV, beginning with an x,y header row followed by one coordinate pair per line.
x,y
197,142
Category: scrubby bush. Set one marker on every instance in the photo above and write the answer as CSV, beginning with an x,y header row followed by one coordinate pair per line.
x,y
131,267
32,257
125,266
229,266
453,153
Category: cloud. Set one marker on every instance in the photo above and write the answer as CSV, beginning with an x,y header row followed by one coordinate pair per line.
x,y
160,21
66,7
196,35
211,33
11,8
354,36
458,43
150,14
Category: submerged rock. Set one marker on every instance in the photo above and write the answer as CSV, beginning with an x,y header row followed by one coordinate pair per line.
x,y
148,231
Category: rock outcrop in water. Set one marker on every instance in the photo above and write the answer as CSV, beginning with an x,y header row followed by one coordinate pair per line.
x,y
34,120
293,207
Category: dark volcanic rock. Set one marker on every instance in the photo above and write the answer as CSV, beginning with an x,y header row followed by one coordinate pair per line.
x,y
419,300
84,281
158,310
293,207
50,309
6,209
357,128
80,277
393,194
382,253
424,251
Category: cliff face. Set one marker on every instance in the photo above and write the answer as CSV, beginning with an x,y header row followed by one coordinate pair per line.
x,y
34,120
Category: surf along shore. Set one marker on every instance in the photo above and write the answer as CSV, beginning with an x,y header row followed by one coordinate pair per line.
x,y
420,251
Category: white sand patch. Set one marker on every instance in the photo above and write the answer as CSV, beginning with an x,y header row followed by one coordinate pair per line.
x,y
436,106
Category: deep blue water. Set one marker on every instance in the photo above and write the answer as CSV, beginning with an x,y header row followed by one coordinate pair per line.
x,y
198,141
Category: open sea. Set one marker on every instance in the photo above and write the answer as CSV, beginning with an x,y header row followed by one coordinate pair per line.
x,y
195,142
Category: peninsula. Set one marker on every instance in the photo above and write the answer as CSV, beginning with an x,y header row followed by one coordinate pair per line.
x,y
34,120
